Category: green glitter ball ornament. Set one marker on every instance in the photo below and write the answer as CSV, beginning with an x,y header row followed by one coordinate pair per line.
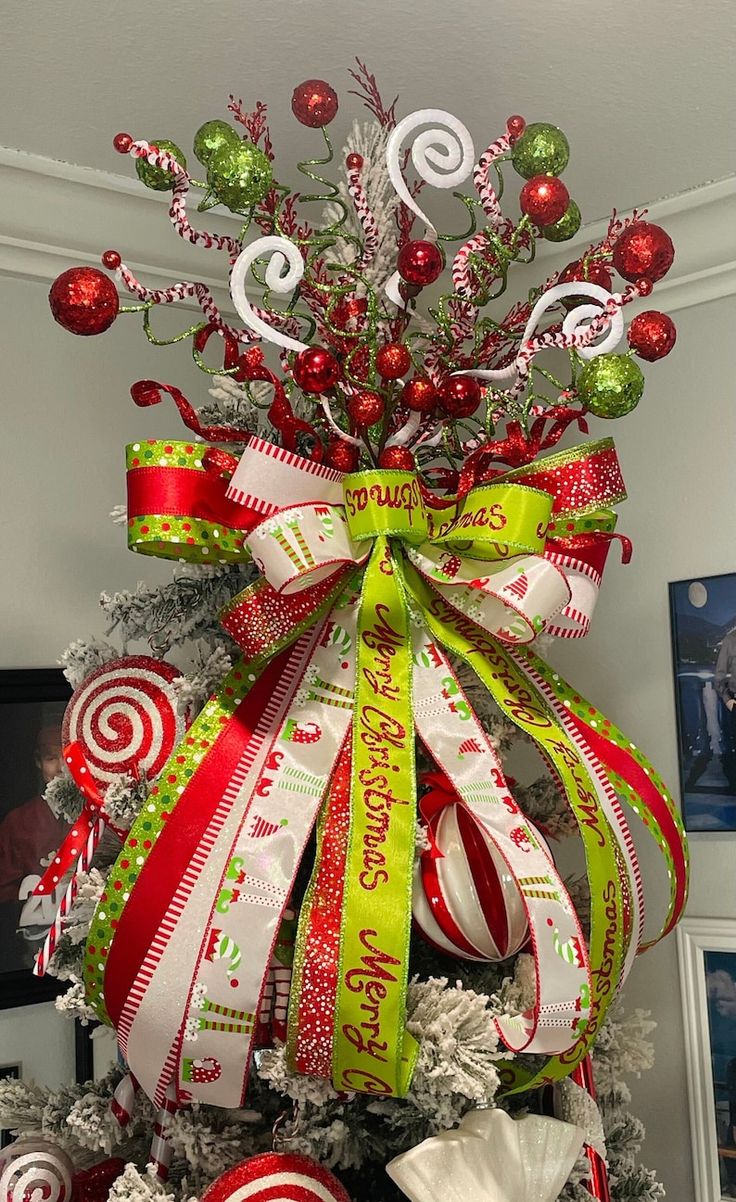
x,y
566,227
238,176
542,149
155,177
610,385
211,137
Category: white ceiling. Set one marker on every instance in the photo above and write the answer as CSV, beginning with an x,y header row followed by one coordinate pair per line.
x,y
644,88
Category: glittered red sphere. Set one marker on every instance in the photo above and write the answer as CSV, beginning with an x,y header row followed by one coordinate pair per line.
x,y
419,395
122,143
314,103
459,396
341,455
84,300
652,335
420,262
644,287
347,310
366,407
393,360
595,273
316,369
643,251
515,126
544,198
111,259
397,457
354,162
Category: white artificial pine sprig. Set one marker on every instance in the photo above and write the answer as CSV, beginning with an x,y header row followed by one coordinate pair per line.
x,y
368,139
210,665
135,1186
458,1048
84,656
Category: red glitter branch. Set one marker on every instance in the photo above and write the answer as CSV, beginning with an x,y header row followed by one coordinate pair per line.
x,y
255,123
370,95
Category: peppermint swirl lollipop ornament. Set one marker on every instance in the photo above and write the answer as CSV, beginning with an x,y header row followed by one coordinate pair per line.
x,y
277,1177
35,1170
125,717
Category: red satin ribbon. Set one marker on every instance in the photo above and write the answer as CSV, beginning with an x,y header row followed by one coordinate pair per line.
x,y
74,843
618,760
186,492
145,909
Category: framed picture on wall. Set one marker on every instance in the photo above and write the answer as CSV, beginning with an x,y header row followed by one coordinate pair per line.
x,y
707,954
703,619
32,703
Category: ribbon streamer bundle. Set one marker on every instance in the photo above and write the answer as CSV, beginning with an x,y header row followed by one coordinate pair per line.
x,y
374,586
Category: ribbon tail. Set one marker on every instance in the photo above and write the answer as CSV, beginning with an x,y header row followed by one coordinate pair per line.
x,y
526,707
632,777
446,723
373,1053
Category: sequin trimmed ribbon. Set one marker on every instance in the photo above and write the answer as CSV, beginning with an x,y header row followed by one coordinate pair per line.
x,y
366,585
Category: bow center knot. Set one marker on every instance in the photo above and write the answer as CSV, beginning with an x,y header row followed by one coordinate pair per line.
x,y
385,502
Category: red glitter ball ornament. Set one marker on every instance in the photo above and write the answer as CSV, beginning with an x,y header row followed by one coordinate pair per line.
x,y
341,455
314,103
644,287
460,396
420,262
84,300
419,395
316,369
111,259
354,162
544,198
515,126
347,310
393,360
652,335
122,143
593,272
366,407
397,457
643,251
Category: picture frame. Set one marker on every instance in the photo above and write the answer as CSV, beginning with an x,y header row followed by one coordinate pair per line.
x,y
32,703
39,1045
707,959
703,631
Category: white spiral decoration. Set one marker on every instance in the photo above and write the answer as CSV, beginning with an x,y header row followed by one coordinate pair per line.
x,y
283,272
37,1176
574,331
450,148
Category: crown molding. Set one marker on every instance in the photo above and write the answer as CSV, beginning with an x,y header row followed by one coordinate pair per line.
x,y
56,214
702,225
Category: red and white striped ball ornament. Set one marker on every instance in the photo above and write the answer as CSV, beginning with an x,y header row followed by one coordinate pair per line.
x,y
277,1177
125,716
466,903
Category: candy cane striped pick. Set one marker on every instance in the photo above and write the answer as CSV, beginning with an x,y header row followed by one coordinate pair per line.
x,y
45,953
123,1100
76,851
161,1149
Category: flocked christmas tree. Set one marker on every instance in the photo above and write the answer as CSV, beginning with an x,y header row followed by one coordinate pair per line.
x,y
366,541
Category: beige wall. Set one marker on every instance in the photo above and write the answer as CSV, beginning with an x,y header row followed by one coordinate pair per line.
x,y
66,416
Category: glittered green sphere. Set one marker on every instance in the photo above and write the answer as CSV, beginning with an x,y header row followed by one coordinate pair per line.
x,y
611,385
239,175
156,177
542,149
566,227
211,138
